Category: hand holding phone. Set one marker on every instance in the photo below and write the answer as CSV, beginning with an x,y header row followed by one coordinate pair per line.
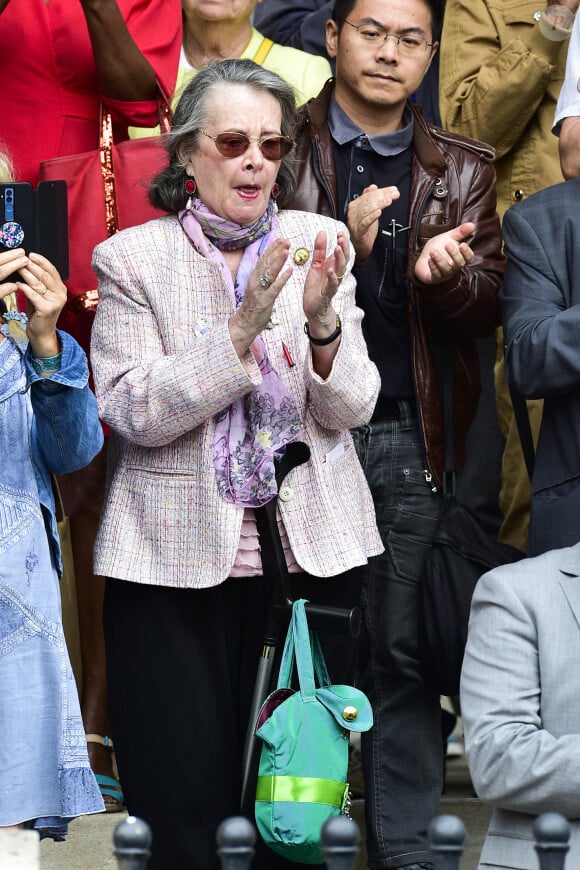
x,y
45,294
36,220
45,298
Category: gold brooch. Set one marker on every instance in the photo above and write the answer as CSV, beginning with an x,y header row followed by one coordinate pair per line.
x,y
301,256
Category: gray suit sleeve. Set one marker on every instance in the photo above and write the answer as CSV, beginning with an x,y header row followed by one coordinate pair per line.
x,y
540,311
515,762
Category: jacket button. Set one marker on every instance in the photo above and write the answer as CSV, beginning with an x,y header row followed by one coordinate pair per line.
x,y
286,493
360,168
350,714
518,194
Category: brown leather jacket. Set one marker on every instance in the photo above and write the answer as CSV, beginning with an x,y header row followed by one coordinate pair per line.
x,y
453,181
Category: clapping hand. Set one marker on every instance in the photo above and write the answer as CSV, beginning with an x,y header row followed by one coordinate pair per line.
x,y
322,282
264,286
363,217
445,255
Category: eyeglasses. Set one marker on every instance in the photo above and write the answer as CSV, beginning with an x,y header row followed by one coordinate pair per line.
x,y
407,45
235,144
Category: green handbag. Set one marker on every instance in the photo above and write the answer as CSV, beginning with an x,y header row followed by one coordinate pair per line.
x,y
304,757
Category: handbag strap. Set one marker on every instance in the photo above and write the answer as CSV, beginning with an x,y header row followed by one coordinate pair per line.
x,y
272,551
303,647
164,113
320,668
524,429
106,143
263,51
164,110
444,362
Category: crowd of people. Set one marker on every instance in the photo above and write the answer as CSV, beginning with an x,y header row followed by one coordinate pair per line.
x,y
345,182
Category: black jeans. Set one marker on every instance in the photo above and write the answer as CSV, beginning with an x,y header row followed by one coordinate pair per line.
x,y
402,754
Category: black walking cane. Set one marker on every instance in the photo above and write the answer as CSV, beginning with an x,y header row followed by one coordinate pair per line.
x,y
320,617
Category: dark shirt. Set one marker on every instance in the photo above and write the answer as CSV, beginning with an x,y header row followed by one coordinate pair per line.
x,y
381,286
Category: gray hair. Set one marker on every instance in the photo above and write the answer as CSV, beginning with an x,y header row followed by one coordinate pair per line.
x,y
167,190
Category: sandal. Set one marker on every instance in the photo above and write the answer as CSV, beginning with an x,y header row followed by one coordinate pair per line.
x,y
110,787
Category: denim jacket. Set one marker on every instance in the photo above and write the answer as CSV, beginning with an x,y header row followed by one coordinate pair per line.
x,y
66,432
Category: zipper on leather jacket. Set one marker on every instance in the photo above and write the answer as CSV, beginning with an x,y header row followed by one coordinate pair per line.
x,y
411,298
420,211
445,136
322,179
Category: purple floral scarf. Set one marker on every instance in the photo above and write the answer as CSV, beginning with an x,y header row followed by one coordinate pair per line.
x,y
226,235
253,429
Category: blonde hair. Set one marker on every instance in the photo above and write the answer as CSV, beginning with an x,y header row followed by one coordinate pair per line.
x,y
6,168
7,174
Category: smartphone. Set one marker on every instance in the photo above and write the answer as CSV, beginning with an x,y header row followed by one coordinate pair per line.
x,y
36,220
52,224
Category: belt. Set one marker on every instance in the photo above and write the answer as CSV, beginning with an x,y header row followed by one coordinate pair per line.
x,y
388,409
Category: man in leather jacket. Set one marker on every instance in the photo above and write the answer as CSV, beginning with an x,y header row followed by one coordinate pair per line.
x,y
411,195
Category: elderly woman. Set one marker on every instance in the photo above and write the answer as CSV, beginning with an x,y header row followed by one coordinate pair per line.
x,y
224,332
48,424
214,31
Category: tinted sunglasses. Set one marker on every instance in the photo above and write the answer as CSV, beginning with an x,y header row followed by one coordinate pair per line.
x,y
235,144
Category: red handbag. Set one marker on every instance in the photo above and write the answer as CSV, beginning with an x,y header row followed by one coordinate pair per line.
x,y
107,192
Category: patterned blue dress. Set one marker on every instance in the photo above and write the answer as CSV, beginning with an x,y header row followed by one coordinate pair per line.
x,y
45,777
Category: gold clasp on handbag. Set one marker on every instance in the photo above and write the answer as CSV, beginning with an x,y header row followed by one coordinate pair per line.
x,y
350,714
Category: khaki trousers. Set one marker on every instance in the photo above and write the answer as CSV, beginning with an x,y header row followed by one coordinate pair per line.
x,y
515,490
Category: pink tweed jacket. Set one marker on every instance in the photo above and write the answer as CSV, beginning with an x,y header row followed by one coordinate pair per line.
x,y
164,365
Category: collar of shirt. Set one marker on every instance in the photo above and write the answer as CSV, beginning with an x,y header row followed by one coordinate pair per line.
x,y
343,131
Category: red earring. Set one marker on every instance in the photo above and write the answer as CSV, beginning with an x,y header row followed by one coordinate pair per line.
x,y
275,191
190,186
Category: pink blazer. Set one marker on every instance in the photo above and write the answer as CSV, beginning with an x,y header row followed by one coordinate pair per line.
x,y
164,365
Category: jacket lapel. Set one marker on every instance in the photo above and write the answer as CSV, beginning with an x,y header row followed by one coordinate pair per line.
x,y
570,569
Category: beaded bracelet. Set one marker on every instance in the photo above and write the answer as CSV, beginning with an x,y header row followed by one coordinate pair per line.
x,y
43,365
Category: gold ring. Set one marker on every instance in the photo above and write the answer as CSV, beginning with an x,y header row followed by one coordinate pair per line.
x,y
340,277
44,292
